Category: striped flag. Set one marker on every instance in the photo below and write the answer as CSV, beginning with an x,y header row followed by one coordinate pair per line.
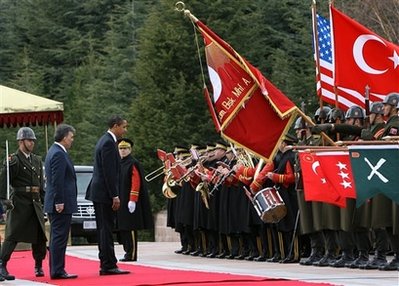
x,y
324,63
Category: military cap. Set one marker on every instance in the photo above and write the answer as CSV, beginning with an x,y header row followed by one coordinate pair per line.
x,y
125,143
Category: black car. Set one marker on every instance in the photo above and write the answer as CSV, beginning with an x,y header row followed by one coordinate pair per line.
x,y
84,221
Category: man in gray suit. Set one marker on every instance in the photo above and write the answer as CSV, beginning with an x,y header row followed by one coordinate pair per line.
x,y
60,200
103,191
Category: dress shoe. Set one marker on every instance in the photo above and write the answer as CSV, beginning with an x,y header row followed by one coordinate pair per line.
x,y
186,252
250,257
240,257
39,272
211,255
275,258
221,255
195,253
260,259
113,271
64,276
289,259
179,251
2,278
231,256
126,259
4,272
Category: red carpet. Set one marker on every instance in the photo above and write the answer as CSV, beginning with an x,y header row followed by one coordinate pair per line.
x,y
21,265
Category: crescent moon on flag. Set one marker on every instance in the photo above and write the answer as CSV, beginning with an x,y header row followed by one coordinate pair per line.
x,y
358,53
314,166
216,83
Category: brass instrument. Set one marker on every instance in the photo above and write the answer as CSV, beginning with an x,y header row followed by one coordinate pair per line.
x,y
167,190
169,163
155,174
203,188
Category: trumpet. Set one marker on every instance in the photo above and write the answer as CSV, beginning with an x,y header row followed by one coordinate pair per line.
x,y
169,164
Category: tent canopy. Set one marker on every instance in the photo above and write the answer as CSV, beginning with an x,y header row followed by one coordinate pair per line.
x,y
19,108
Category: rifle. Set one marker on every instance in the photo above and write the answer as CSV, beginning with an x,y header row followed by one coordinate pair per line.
x,y
8,203
367,107
303,123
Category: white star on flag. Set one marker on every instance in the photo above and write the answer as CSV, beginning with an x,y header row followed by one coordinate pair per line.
x,y
346,184
344,175
341,165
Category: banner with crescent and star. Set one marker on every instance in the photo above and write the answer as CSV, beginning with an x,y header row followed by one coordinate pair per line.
x,y
327,176
362,58
246,108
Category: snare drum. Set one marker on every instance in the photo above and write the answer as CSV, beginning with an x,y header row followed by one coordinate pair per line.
x,y
269,205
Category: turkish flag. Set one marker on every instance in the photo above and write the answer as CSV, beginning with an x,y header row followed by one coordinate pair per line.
x,y
322,177
246,108
363,58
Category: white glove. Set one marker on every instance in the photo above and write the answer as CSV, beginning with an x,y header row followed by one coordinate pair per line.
x,y
132,206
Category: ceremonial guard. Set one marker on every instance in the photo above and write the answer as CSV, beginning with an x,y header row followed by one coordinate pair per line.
x,y
25,217
308,210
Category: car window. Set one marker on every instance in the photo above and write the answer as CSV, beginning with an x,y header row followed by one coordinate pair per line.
x,y
82,180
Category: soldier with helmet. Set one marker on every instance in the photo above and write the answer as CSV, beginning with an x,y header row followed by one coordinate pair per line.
x,y
390,112
25,217
321,113
391,105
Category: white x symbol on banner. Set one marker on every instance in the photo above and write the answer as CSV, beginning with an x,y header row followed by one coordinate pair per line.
x,y
374,170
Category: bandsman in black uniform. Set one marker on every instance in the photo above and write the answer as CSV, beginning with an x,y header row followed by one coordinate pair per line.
x,y
135,211
25,217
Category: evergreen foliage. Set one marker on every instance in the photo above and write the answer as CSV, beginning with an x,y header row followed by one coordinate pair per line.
x,y
139,58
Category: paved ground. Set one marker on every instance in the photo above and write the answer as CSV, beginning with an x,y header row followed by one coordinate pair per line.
x,y
161,254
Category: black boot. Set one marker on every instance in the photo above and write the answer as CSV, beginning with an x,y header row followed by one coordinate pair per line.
x,y
4,272
315,256
391,266
359,262
326,260
379,260
346,258
38,268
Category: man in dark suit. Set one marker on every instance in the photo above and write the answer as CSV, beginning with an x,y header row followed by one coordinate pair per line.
x,y
103,191
60,200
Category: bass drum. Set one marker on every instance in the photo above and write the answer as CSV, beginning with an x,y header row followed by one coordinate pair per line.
x,y
269,205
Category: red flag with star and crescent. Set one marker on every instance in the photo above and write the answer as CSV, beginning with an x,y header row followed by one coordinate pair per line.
x,y
362,58
327,176
246,108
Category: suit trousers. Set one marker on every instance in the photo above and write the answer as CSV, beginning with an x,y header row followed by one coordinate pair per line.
x,y
60,225
105,225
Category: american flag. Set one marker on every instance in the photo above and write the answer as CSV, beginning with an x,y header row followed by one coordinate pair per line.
x,y
324,64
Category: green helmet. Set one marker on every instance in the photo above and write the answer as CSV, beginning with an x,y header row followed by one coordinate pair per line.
x,y
355,111
377,107
321,114
334,114
300,124
392,99
25,133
